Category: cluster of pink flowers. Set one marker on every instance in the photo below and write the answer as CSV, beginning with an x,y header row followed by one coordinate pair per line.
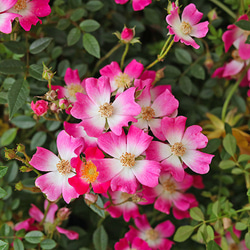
x,y
236,37
25,11
129,145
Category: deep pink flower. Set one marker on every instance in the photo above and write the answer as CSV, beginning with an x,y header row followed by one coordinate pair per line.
x,y
40,107
97,112
237,37
121,80
137,4
37,216
155,237
188,26
29,11
127,34
59,169
86,173
136,244
126,170
181,148
7,17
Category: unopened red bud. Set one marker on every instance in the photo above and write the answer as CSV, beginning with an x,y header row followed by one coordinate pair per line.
x,y
127,35
63,213
90,198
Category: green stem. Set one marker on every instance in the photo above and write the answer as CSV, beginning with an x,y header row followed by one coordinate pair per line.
x,y
234,88
105,57
161,55
224,7
45,213
49,82
165,45
124,55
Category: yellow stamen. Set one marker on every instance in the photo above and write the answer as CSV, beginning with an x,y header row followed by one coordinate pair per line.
x,y
106,110
74,88
147,113
89,172
123,80
151,234
178,149
169,185
186,28
127,160
63,167
20,5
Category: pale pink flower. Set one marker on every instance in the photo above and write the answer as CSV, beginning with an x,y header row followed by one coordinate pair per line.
x,y
237,37
170,193
126,170
188,26
59,169
155,237
136,244
97,111
73,85
137,4
29,11
37,216
152,111
181,148
7,17
40,107
86,173
121,80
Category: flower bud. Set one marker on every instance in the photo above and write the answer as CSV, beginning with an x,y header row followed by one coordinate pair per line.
x,y
227,222
51,95
172,6
20,148
63,213
212,15
127,35
25,169
40,107
90,198
64,103
47,73
19,186
10,154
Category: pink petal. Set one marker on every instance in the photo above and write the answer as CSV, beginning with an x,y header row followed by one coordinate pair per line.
x,y
100,188
173,19
94,126
155,127
40,8
157,151
191,15
111,70
142,223
157,90
6,21
26,225
72,77
123,243
121,1
140,244
147,172
79,184
232,68
6,5
61,91
72,235
181,203
244,49
140,4
197,161
51,212
166,229
173,128
44,160
134,69
93,153
36,213
163,205
68,192
200,30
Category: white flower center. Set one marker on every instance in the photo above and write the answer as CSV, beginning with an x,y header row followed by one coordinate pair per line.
x,y
186,28
127,160
63,167
169,185
151,234
123,80
147,113
106,110
178,149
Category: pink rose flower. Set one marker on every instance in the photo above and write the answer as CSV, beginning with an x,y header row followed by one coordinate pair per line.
x,y
40,107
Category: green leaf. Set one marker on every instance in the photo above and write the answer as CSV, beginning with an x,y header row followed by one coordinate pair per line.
x,y
34,237
11,66
243,24
213,246
212,146
3,171
183,233
3,193
229,143
40,44
216,208
48,244
237,171
183,56
78,14
91,45
100,238
226,164
240,226
247,239
248,40
198,72
18,244
100,212
15,47
38,140
185,85
89,25
53,125
4,245
94,5
36,71
8,137
17,96
196,214
243,158
210,233
63,24
23,122
73,36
